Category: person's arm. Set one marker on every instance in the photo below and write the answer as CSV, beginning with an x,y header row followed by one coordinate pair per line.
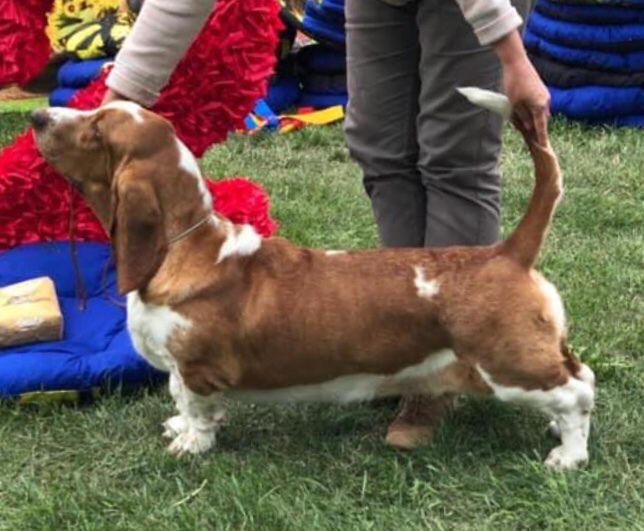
x,y
163,31
522,85
491,20
496,23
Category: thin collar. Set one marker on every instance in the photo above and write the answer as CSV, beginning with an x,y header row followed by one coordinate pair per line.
x,y
189,231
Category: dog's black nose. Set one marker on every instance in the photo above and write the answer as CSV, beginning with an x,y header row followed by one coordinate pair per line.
x,y
39,119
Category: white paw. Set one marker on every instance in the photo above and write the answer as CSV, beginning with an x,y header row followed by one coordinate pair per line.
x,y
561,458
174,426
554,430
192,441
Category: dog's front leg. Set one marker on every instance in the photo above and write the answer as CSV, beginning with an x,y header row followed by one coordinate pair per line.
x,y
195,428
173,426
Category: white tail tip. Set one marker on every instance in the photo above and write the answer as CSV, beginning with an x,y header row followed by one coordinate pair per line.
x,y
487,99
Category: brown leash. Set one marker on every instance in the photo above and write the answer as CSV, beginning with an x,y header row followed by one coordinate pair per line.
x,y
81,290
104,289
110,262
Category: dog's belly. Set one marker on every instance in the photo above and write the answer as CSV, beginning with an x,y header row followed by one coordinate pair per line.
x,y
356,387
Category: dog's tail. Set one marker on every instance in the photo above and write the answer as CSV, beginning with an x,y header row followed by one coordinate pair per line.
x,y
526,241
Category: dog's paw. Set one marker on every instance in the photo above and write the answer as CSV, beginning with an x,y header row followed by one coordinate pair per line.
x,y
192,441
174,426
561,458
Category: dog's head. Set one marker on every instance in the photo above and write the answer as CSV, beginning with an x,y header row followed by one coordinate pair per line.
x,y
125,162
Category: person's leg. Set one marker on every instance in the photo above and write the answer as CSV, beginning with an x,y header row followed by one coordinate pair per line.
x,y
380,126
459,143
383,52
459,148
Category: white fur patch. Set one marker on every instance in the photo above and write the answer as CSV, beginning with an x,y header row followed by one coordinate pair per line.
x,y
174,426
554,304
188,163
63,114
151,327
587,375
353,387
487,99
334,253
568,406
240,241
133,109
426,288
194,430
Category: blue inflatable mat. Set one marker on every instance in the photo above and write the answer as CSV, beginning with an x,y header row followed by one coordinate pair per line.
x,y
636,4
61,96
96,351
322,60
325,83
597,103
566,76
590,14
610,38
322,101
283,93
78,74
325,11
321,29
617,62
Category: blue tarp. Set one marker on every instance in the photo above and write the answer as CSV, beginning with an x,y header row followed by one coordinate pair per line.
x,y
96,350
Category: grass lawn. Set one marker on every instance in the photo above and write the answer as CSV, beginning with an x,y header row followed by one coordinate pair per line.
x,y
22,106
307,467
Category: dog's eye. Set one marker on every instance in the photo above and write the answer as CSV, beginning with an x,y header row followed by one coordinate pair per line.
x,y
96,132
90,136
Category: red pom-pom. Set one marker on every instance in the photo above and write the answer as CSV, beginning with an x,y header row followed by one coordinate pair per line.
x,y
243,201
224,73
24,47
218,82
215,86
34,200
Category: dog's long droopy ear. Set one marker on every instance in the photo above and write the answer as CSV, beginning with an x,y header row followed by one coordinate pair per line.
x,y
136,231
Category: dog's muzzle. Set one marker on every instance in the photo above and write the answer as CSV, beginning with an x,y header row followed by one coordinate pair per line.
x,y
40,119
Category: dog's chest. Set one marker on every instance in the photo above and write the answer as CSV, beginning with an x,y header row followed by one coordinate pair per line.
x,y
151,327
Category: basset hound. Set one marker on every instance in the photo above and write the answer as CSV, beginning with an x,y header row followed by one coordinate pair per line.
x,y
229,314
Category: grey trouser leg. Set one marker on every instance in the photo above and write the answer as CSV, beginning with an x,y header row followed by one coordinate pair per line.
x,y
430,159
380,126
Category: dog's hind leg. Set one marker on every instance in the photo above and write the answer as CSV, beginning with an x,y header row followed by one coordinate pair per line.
x,y
568,403
199,419
418,420
585,374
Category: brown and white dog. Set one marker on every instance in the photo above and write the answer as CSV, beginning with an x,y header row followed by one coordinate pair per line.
x,y
229,314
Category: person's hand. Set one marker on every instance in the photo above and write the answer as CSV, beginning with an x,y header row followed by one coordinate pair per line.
x,y
111,95
521,83
529,98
